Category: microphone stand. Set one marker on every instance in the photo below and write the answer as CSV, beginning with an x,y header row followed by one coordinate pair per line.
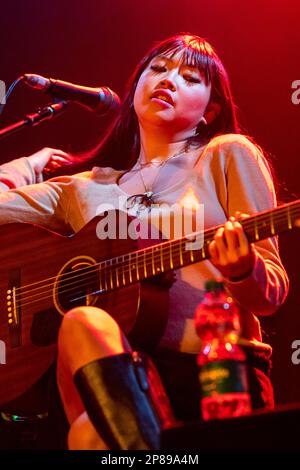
x,y
33,119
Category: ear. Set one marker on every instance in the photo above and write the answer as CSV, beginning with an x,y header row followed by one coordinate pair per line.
x,y
212,111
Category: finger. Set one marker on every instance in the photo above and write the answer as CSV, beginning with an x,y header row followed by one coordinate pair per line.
x,y
242,239
231,238
52,166
213,251
58,152
241,215
221,246
59,159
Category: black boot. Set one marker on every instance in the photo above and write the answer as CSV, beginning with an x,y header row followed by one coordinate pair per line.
x,y
115,393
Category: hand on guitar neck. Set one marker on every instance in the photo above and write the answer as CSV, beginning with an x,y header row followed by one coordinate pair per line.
x,y
230,251
33,282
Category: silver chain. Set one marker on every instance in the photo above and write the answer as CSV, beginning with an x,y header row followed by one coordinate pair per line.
x,y
145,200
149,190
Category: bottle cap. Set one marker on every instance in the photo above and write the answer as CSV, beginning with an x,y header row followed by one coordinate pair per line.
x,y
213,285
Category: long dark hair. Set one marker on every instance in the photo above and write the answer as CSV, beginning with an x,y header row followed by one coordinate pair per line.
x,y
120,146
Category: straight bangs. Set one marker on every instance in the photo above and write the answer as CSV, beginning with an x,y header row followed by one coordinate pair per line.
x,y
195,52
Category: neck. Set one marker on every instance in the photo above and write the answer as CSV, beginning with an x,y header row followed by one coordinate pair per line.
x,y
155,143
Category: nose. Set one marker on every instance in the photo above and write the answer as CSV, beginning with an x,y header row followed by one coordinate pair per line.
x,y
167,82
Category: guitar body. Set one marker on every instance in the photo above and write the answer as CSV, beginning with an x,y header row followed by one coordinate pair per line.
x,y
30,318
43,275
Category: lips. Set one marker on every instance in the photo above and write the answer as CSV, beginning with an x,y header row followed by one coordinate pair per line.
x,y
163,95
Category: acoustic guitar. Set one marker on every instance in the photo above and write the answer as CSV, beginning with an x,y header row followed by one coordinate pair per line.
x,y
43,275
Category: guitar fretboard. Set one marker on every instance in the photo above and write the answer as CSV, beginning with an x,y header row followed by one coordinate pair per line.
x,y
172,254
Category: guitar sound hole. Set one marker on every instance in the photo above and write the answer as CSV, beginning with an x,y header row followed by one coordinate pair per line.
x,y
77,286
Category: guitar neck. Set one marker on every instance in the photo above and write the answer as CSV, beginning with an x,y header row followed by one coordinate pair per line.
x,y
33,292
173,254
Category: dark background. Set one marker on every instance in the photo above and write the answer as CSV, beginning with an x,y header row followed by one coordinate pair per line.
x,y
98,42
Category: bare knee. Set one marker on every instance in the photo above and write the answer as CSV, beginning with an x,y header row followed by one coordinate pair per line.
x,y
83,323
89,333
86,318
83,435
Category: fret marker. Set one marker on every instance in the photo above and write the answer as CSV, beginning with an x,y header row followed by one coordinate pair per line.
x,y
137,268
153,264
272,224
290,225
171,259
161,260
117,277
110,275
256,230
180,254
145,265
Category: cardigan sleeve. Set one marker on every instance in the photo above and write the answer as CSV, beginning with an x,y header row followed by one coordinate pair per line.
x,y
250,190
45,204
16,173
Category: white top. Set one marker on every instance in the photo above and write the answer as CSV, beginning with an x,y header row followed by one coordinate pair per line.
x,y
227,175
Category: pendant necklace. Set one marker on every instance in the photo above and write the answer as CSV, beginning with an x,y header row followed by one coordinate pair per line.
x,y
146,199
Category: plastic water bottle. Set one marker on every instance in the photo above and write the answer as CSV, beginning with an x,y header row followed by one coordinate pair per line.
x,y
221,362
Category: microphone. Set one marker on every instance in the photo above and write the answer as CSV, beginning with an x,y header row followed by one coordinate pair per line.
x,y
101,100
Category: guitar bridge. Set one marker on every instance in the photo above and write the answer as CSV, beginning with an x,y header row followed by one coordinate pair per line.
x,y
13,310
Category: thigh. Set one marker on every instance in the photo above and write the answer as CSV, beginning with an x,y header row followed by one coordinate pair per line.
x,y
86,334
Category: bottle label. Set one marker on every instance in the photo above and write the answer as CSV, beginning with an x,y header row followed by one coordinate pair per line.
x,y
220,377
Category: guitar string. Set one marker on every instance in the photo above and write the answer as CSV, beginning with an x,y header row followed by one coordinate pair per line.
x,y
75,290
112,269
136,260
109,270
174,241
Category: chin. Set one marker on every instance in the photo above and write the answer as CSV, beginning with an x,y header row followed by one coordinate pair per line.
x,y
161,117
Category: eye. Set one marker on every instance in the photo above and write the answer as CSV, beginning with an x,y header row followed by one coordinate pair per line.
x,y
191,78
158,68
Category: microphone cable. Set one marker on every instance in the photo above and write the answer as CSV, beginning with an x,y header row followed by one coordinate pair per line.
x,y
9,92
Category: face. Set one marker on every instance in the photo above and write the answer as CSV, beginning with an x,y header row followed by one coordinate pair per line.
x,y
171,93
